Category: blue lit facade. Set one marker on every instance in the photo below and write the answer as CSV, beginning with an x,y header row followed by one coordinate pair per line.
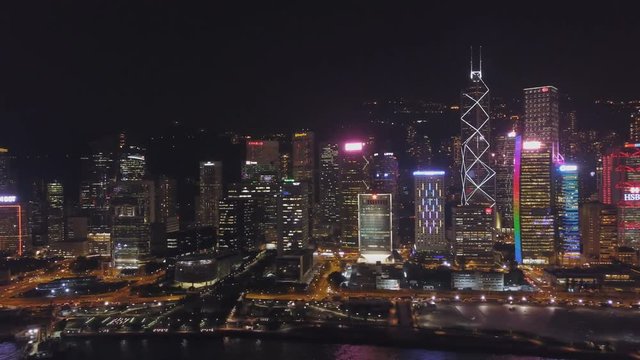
x,y
568,213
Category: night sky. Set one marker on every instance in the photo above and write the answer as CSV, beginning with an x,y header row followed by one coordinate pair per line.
x,y
73,71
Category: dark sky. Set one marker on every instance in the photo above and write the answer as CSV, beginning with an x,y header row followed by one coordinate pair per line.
x,y
72,70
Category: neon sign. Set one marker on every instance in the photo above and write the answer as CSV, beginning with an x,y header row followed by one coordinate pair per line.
x,y
8,198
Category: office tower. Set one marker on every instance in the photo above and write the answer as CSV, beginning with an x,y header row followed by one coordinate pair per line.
x,y
634,127
542,117
293,216
419,144
304,160
96,184
257,201
285,165
354,176
132,163
503,160
130,235
533,204
262,157
166,193
472,226
478,178
7,181
568,221
429,201
375,238
621,187
55,212
37,214
132,211
329,183
229,224
599,231
12,225
384,180
210,192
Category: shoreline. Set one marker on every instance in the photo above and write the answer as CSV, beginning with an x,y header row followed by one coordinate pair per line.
x,y
453,340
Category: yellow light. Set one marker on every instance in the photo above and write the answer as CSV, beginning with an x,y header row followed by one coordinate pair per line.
x,y
299,134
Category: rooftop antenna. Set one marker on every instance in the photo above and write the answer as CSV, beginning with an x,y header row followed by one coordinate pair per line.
x,y
471,61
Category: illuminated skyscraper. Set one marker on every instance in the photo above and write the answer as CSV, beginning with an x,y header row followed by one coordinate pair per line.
x,y
533,204
7,181
542,117
634,127
568,214
329,186
429,201
304,160
474,236
130,234
12,225
504,160
166,194
621,187
97,182
257,204
599,231
384,180
354,176
293,216
210,192
375,238
262,158
132,164
229,224
478,178
55,212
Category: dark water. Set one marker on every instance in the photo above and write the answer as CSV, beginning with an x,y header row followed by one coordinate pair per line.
x,y
157,349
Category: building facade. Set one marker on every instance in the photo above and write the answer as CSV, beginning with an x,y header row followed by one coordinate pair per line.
x,y
429,202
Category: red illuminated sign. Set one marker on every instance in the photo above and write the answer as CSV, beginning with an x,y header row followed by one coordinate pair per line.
x,y
488,211
545,89
256,143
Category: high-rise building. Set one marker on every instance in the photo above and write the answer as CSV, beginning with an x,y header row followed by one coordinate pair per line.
x,y
567,195
429,201
542,117
7,181
130,234
474,236
257,203
55,212
230,224
132,163
329,185
285,165
634,127
354,180
262,157
293,216
599,231
621,187
132,209
375,238
304,160
478,178
210,192
384,180
37,214
12,225
503,160
96,185
533,204
166,193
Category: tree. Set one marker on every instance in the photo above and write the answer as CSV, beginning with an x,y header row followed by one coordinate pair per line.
x,y
336,278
